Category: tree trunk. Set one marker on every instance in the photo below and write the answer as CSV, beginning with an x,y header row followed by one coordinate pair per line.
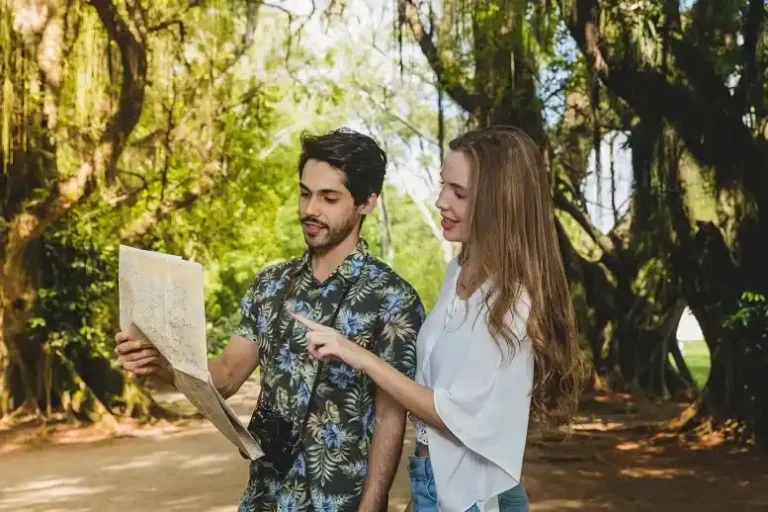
x,y
650,369
682,366
505,69
18,289
6,402
26,363
38,380
693,108
503,91
385,227
737,387
713,285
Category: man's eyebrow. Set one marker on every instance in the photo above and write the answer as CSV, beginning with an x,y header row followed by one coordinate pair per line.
x,y
324,191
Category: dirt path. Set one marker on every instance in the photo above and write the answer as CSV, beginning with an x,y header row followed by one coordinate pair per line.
x,y
608,465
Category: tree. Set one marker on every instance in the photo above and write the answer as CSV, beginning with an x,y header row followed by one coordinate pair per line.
x,y
37,191
206,169
695,79
488,57
83,132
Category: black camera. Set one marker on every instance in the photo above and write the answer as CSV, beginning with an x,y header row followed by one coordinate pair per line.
x,y
278,436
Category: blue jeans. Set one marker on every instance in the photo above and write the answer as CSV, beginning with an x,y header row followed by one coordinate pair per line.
x,y
424,494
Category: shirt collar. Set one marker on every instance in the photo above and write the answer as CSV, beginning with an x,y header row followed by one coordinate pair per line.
x,y
349,269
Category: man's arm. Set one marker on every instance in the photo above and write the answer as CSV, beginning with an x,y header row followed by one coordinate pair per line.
x,y
236,363
228,372
386,448
398,348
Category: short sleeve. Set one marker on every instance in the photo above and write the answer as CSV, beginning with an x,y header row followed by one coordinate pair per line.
x,y
252,324
400,319
488,399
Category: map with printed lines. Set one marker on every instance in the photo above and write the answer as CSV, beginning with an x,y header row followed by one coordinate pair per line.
x,y
161,300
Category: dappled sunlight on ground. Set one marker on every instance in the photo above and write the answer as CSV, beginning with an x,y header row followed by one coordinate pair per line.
x,y
664,473
558,505
173,472
44,492
613,461
183,465
598,427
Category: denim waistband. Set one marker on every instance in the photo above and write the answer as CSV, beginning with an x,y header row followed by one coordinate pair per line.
x,y
420,468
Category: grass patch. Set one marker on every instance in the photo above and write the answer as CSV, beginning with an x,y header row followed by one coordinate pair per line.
x,y
698,360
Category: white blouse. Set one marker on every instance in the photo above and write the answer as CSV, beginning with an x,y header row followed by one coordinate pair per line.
x,y
481,394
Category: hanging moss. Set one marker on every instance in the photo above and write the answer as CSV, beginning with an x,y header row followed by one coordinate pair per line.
x,y
7,76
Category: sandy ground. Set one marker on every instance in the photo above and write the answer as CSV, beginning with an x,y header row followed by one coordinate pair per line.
x,y
609,464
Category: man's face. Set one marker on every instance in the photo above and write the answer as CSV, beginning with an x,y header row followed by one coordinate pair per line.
x,y
326,208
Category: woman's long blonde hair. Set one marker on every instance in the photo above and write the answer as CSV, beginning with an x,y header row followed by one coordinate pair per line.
x,y
512,242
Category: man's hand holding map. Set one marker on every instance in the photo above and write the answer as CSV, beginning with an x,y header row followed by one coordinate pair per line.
x,y
161,300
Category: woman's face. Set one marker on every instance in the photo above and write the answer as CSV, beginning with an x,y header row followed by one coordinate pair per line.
x,y
453,201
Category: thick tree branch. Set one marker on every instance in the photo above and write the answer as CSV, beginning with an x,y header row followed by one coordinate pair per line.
x,y
134,62
168,24
29,224
716,136
604,242
705,115
581,17
203,185
751,84
148,139
455,90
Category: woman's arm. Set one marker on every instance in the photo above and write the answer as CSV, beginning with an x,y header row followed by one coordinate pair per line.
x,y
326,343
416,398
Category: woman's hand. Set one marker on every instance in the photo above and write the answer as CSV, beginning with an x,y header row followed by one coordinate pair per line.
x,y
326,343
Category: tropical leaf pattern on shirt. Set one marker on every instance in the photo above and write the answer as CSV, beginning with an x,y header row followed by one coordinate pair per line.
x,y
381,312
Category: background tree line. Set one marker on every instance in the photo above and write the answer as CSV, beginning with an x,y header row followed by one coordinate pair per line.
x,y
174,126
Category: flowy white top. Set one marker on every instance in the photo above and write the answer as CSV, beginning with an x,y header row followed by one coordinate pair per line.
x,y
482,394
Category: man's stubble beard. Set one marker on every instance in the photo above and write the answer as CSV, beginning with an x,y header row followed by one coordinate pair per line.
x,y
334,235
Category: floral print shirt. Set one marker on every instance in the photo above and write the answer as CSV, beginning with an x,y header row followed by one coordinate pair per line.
x,y
381,312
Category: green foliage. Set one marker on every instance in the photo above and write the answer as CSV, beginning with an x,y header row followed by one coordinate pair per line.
x,y
699,361
209,172
78,287
747,348
418,255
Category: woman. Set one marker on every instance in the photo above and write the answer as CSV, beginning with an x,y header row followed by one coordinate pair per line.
x,y
499,345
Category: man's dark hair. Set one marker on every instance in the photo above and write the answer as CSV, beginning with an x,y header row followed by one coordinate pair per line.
x,y
358,156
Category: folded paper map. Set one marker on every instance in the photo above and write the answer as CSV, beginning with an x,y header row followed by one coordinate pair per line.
x,y
161,300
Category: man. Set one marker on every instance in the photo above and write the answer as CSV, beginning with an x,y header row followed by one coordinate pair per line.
x,y
352,434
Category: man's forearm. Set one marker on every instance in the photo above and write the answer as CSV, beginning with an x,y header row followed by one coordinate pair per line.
x,y
386,449
222,377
